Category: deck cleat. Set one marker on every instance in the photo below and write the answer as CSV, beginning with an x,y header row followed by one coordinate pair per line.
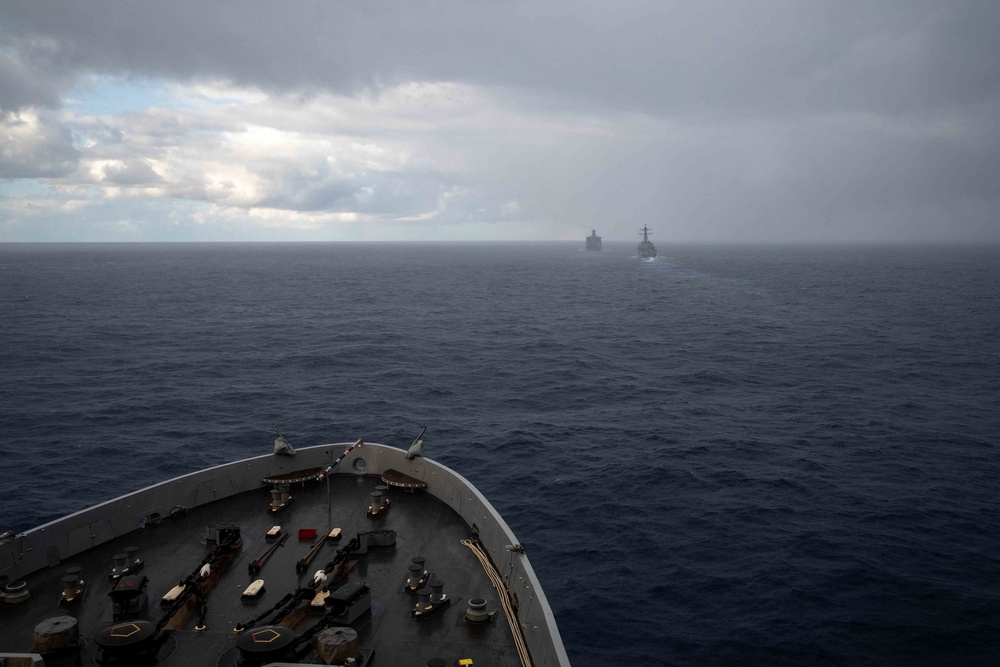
x,y
280,498
125,564
417,578
378,504
437,591
120,568
73,587
134,562
431,599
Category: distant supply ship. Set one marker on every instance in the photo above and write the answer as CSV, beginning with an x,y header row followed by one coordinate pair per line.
x,y
594,241
646,248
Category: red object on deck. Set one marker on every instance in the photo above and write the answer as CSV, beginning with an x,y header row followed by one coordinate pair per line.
x,y
307,533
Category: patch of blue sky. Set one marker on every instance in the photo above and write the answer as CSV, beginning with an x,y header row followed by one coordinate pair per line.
x,y
104,95
22,187
107,95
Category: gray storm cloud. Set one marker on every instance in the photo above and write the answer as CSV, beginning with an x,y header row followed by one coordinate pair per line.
x,y
664,58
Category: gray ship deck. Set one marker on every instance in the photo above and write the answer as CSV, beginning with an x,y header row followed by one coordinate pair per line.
x,y
171,550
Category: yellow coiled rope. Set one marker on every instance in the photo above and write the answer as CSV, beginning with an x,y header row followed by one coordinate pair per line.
x,y
505,602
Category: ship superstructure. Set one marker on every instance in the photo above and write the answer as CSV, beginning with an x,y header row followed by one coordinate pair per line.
x,y
646,248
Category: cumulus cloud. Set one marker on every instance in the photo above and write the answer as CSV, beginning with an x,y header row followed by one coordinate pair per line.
x,y
34,144
375,157
129,172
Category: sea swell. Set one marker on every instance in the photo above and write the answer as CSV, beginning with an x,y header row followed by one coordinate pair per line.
x,y
725,456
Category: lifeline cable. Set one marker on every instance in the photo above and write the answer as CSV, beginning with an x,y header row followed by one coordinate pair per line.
x,y
347,451
505,602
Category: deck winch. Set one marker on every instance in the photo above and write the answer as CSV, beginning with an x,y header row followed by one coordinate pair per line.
x,y
128,644
476,611
226,536
372,538
128,598
350,602
269,643
15,592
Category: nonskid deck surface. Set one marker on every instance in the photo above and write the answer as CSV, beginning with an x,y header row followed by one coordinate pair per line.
x,y
171,549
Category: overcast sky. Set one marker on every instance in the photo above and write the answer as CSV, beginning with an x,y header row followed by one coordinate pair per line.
x,y
714,121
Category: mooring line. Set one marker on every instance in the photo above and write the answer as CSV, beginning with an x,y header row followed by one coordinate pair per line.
x,y
505,601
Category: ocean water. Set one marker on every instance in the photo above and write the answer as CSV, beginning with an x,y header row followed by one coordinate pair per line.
x,y
728,455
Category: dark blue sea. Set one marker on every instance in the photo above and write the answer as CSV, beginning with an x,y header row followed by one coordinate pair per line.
x,y
726,456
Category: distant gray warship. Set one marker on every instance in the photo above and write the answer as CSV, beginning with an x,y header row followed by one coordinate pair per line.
x,y
594,241
646,248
